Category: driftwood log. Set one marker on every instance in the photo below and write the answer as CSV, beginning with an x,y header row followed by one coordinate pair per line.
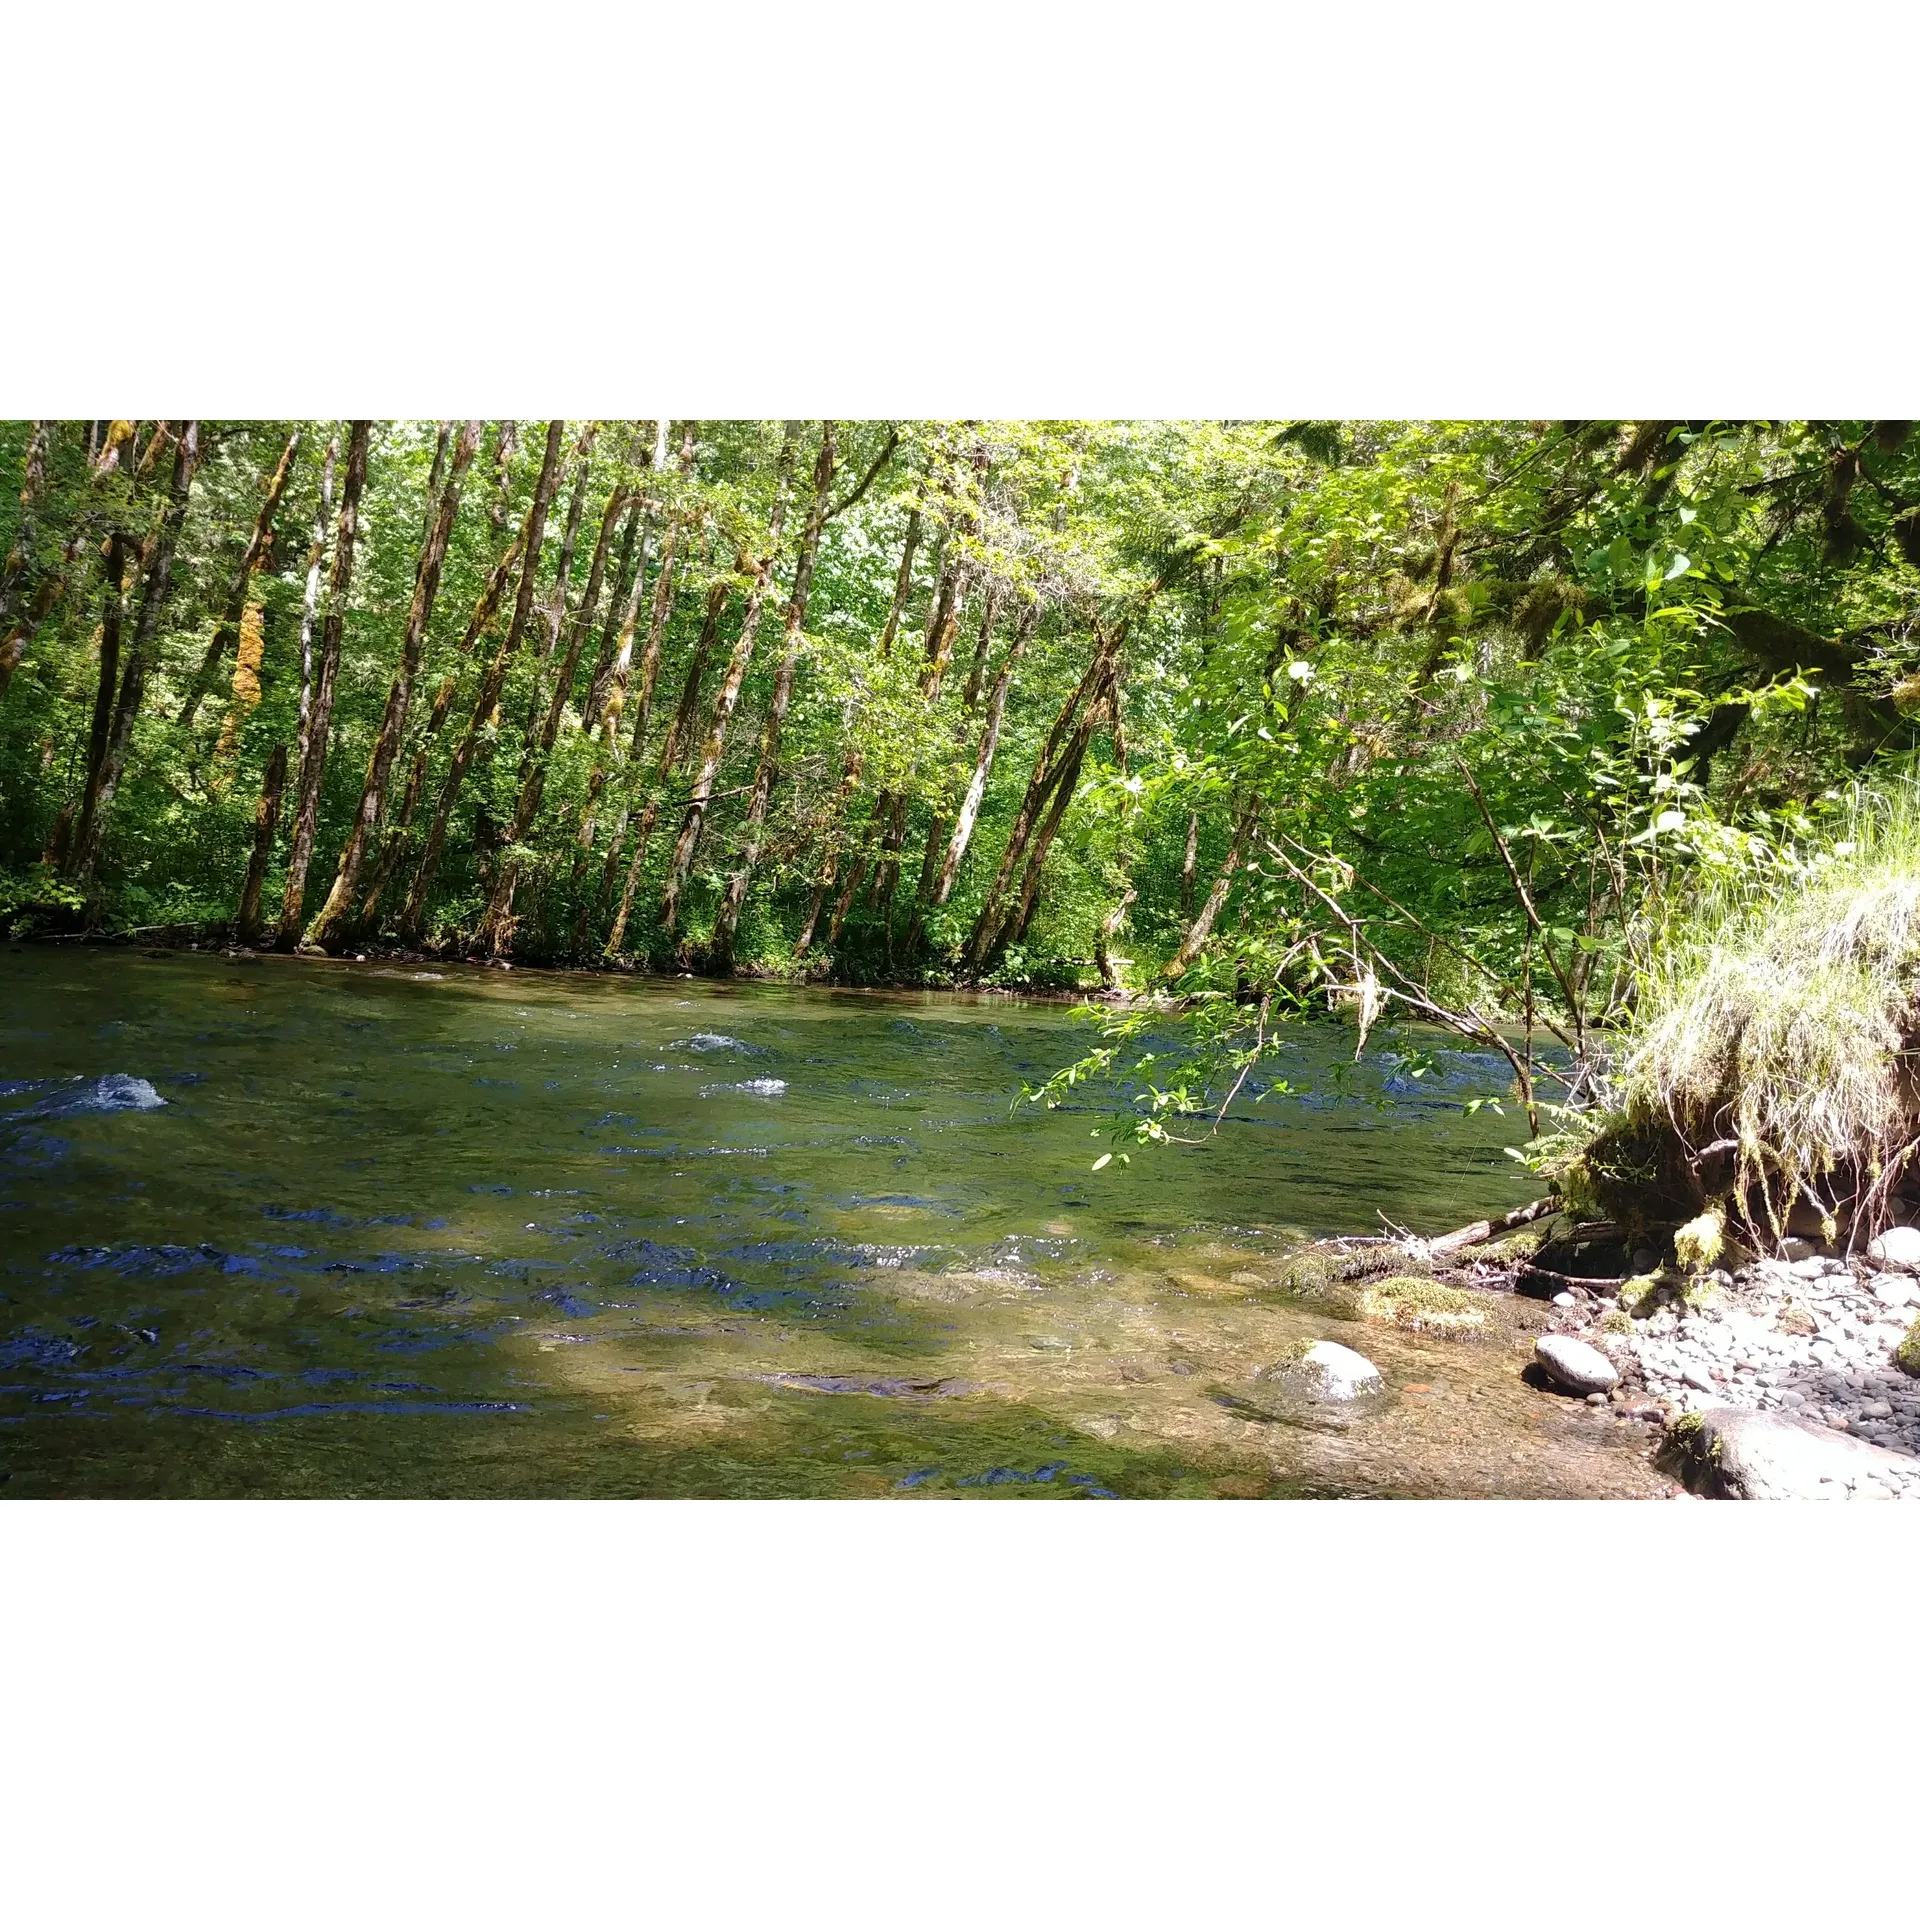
x,y
1463,1237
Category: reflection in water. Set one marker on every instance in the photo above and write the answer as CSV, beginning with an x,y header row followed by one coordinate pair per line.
x,y
649,1238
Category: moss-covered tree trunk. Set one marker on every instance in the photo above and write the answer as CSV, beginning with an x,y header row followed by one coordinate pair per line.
x,y
317,717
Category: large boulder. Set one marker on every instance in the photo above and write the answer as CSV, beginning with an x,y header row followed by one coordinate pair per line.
x,y
1326,1373
1574,1365
1740,1453
1897,1247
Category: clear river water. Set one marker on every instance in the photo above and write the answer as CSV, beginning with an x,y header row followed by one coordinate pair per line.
x,y
285,1227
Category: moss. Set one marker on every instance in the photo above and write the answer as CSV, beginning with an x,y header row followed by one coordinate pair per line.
x,y
1637,1297
1907,1355
1614,1321
1422,1305
1700,1243
1313,1271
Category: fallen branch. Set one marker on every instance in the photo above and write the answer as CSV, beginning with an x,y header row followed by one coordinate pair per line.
x,y
1481,1230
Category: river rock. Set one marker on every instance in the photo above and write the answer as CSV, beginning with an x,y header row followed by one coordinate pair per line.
x,y
1326,1372
1737,1453
1897,1247
111,1093
1575,1365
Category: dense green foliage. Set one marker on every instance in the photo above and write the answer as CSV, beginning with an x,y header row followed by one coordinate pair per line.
x,y
1428,715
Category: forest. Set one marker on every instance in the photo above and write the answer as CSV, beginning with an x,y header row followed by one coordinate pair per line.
x,y
1439,718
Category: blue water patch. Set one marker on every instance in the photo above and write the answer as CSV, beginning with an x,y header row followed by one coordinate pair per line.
x,y
1055,1470
31,1149
160,1263
38,1350
355,1406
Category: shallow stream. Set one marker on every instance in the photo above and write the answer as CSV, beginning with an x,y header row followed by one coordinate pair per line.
x,y
433,1230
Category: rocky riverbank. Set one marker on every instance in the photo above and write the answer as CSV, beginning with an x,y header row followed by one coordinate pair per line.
x,y
1742,1365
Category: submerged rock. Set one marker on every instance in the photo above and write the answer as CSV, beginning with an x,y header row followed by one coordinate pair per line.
x,y
1739,1453
1325,1373
1574,1365
1423,1306
111,1093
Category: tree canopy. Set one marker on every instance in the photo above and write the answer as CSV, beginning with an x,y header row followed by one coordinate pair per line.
x,y
1261,708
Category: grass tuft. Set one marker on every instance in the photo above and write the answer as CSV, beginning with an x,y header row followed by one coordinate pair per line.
x,y
1773,1034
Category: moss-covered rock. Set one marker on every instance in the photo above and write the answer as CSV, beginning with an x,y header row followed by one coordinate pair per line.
x,y
1422,1305
1614,1321
1637,1297
1907,1355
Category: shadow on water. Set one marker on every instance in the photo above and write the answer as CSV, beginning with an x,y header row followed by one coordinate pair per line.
x,y
604,1237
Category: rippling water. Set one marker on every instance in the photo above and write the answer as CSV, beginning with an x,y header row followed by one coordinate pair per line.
x,y
287,1227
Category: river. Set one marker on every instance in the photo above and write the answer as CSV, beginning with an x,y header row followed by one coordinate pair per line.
x,y
433,1230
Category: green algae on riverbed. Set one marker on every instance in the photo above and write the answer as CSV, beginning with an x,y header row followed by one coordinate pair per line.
x,y
439,1231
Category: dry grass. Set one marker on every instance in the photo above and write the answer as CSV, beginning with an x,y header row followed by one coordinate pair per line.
x,y
1774,1025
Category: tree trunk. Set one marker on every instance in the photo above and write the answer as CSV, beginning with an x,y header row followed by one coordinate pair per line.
x,y
1064,785
931,857
727,921
849,779
245,694
317,722
902,585
556,619
662,607
434,474
1197,934
266,821
850,776
16,575
496,931
983,763
695,816
113,606
943,622
1187,865
1102,958
612,700
258,551
332,922
1047,770
396,833
310,602
629,583
671,749
414,914
159,585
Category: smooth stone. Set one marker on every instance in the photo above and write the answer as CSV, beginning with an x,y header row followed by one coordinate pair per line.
x,y
1897,1247
1575,1365
1735,1453
1327,1371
